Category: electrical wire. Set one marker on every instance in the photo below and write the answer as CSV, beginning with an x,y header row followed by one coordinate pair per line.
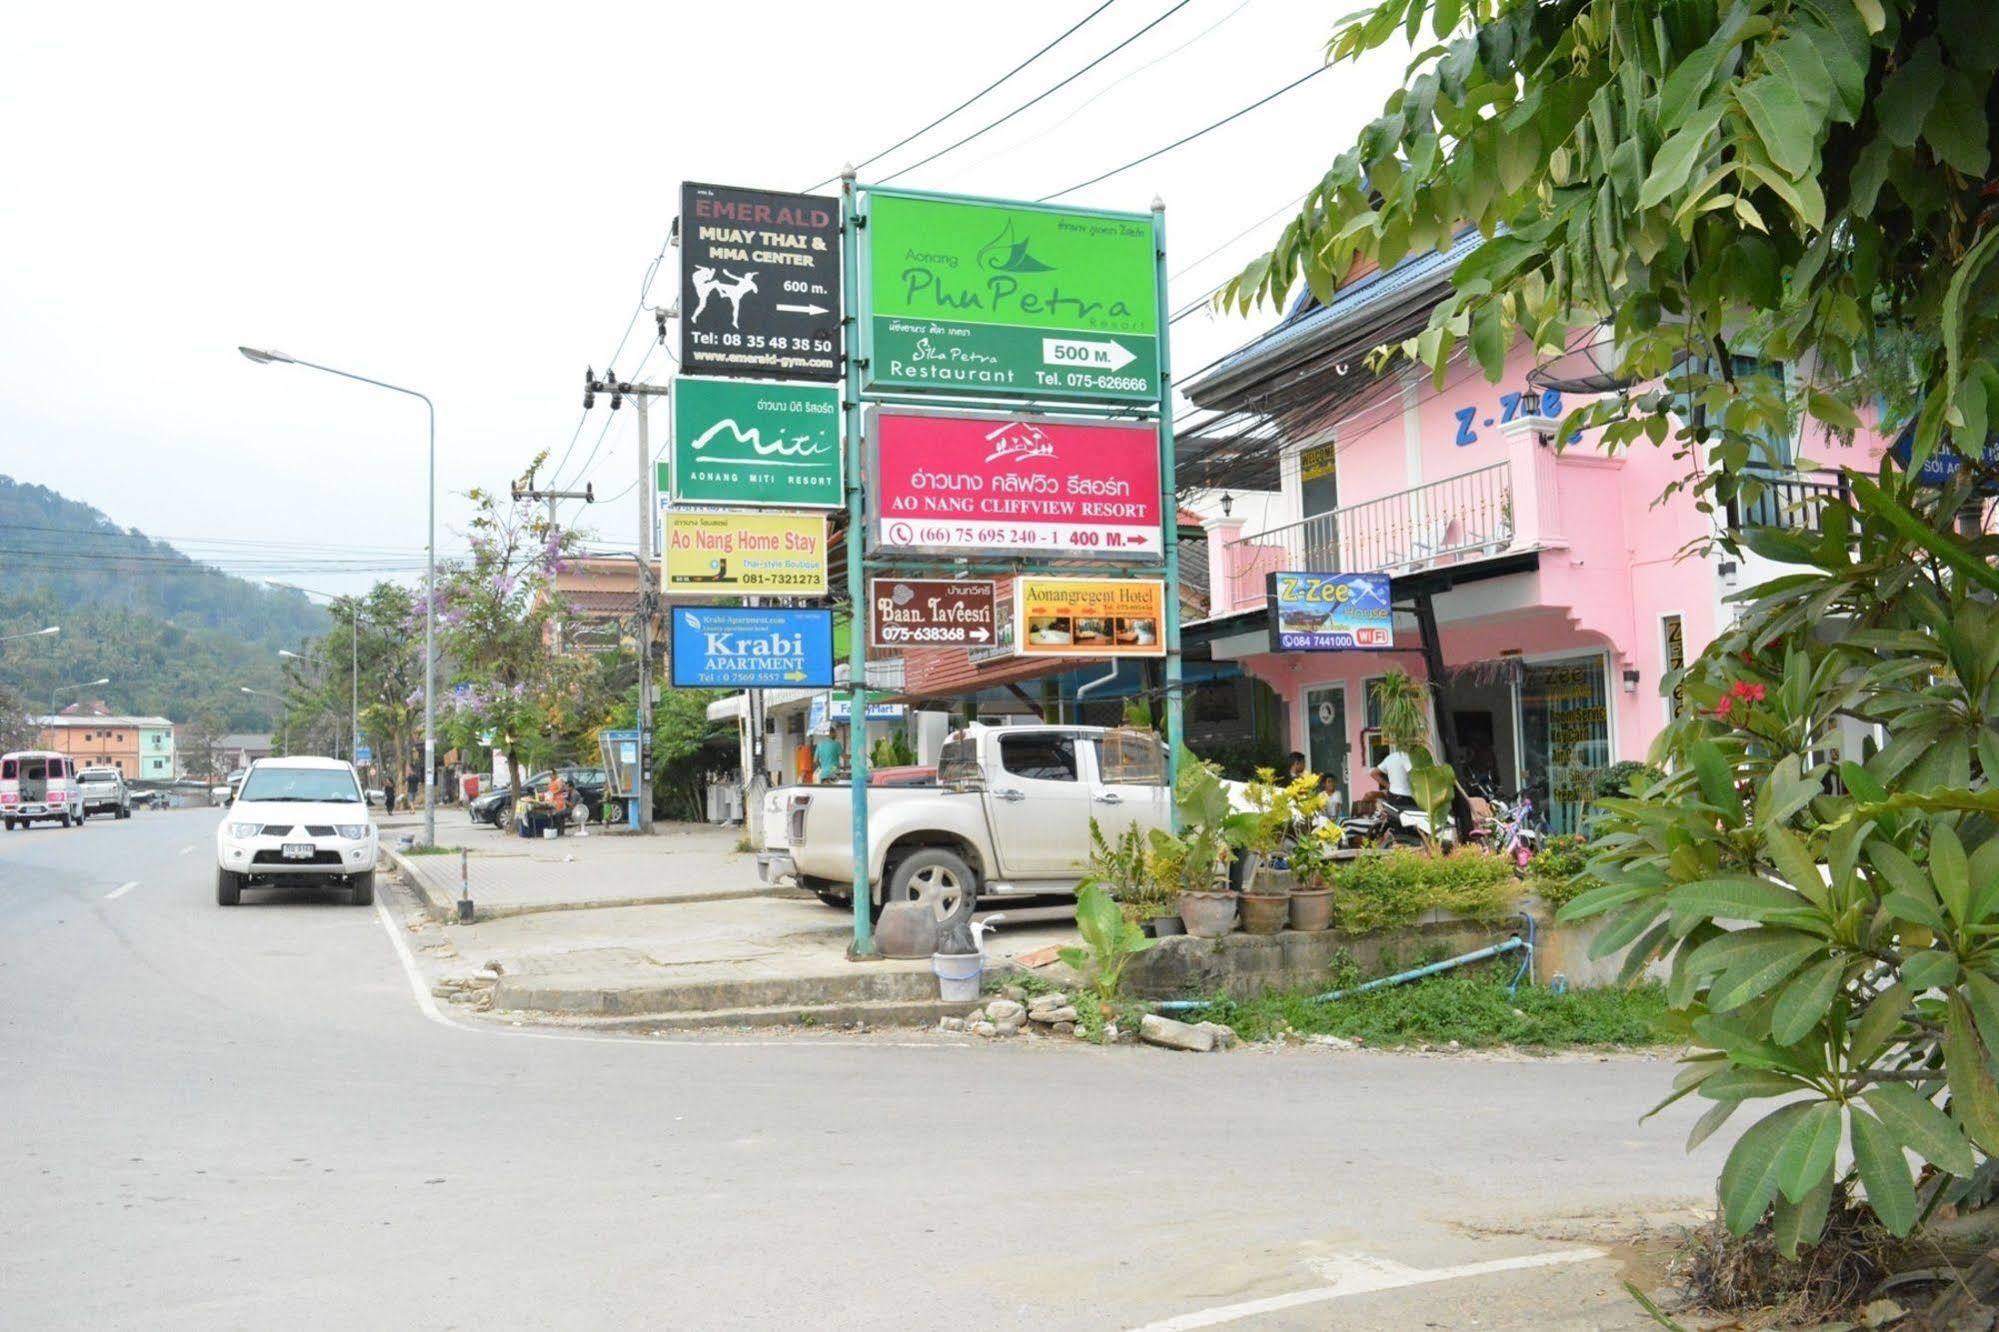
x,y
974,97
1207,129
1076,110
1039,97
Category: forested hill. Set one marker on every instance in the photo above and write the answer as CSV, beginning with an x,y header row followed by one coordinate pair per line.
x,y
176,637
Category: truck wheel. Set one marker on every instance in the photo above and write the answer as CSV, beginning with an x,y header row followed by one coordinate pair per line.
x,y
228,888
362,888
937,878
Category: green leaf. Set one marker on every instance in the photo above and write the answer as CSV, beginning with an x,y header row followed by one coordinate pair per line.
x,y
1749,1179
1943,545
1677,157
1930,969
1805,1157
1788,129
1736,897
1949,872
1622,928
1905,99
1981,992
1831,410
1970,31
1870,12
1956,127
1713,1118
1973,1097
1745,1084
1878,1023
1920,1126
1759,974
1488,338
1797,1224
1794,862
1884,1171
1717,779
1805,1000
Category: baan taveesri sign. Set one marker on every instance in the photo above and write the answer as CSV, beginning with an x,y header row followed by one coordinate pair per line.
x,y
1009,300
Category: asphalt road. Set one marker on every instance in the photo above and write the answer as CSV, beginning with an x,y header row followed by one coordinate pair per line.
x,y
245,1117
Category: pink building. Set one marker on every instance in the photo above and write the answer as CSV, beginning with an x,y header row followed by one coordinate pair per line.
x,y
1561,587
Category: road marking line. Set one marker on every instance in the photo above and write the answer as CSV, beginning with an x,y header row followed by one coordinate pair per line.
x,y
1361,1274
121,890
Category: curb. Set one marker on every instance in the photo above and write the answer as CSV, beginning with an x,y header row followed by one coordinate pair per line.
x,y
442,907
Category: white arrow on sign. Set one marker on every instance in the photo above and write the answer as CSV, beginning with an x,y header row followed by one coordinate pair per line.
x,y
979,634
1105,355
803,309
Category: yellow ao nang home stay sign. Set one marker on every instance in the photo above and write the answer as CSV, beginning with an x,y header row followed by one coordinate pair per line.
x,y
1090,617
722,553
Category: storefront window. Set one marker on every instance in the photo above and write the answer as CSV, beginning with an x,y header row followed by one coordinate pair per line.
x,y
1565,733
1326,737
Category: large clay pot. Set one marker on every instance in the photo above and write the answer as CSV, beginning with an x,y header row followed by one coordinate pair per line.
x,y
1312,909
1265,913
1208,915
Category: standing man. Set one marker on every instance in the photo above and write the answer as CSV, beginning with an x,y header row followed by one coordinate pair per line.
x,y
388,794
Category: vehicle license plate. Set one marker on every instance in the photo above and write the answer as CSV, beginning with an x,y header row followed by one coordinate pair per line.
x,y
298,851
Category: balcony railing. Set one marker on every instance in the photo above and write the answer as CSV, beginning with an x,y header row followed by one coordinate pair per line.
x,y
1793,500
1461,517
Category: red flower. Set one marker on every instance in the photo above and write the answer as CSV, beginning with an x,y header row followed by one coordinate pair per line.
x,y
1756,692
1721,708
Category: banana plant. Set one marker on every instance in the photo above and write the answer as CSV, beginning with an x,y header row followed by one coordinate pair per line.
x,y
1111,942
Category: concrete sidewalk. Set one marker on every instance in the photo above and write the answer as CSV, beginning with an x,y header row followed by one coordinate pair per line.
x,y
510,876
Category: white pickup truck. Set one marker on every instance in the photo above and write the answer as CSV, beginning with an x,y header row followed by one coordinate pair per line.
x,y
1010,815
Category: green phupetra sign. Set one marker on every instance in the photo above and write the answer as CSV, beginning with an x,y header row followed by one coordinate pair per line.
x,y
744,441
1009,300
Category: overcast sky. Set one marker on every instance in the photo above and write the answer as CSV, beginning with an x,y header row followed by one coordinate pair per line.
x,y
465,201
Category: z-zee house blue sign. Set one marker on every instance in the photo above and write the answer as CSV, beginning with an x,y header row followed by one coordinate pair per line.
x,y
1330,612
734,647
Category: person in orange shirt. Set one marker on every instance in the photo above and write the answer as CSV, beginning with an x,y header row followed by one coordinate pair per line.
x,y
801,760
558,797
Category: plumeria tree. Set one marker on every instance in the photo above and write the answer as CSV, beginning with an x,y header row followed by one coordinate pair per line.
x,y
501,619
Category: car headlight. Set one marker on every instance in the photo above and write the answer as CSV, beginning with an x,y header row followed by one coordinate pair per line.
x,y
353,832
244,829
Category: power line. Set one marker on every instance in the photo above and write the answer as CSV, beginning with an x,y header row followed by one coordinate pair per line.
x,y
1157,152
1110,87
975,96
953,147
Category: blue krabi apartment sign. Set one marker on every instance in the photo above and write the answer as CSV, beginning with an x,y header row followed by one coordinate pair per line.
x,y
729,647
1330,612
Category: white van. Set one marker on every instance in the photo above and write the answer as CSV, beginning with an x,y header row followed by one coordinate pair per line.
x,y
37,785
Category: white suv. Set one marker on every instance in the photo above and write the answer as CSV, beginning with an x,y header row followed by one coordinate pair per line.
x,y
296,820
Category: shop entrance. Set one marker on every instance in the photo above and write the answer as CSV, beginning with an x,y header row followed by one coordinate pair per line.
x,y
1326,736
1565,735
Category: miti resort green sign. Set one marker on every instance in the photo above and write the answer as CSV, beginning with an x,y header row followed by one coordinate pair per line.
x,y
744,441
990,299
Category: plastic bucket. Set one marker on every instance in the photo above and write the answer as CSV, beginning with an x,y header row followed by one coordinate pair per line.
x,y
549,834
958,975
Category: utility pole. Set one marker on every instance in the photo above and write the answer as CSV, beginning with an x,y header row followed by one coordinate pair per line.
x,y
641,396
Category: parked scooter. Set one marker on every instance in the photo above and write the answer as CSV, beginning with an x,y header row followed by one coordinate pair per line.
x,y
1396,821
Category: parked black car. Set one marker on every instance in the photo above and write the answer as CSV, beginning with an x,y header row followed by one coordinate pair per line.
x,y
586,784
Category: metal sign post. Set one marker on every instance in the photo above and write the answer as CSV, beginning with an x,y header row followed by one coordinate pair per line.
x,y
1169,503
857,599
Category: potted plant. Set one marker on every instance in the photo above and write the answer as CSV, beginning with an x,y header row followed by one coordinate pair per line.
x,y
1121,868
1262,835
1190,862
1312,891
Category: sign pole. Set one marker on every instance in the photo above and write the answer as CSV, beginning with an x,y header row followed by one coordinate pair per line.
x,y
857,592
1169,508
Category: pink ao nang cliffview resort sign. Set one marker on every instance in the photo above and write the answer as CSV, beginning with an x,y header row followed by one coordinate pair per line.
x,y
986,484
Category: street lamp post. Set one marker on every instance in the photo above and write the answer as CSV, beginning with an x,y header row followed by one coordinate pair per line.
x,y
290,655
32,633
80,684
284,714
266,357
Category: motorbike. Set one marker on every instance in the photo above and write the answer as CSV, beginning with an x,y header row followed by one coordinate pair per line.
x,y
1396,821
